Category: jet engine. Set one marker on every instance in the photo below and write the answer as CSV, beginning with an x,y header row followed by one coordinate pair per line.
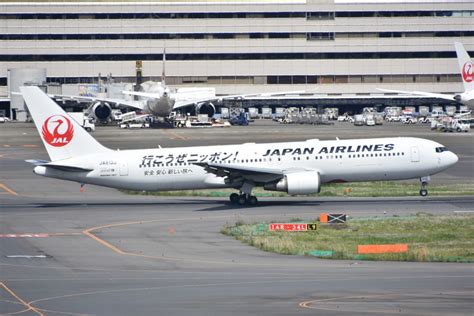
x,y
206,108
102,111
297,183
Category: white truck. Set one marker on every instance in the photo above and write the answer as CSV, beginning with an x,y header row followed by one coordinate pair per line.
x,y
449,124
266,113
358,120
253,113
85,121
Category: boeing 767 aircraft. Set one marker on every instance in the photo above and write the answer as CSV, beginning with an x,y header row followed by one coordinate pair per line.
x,y
293,167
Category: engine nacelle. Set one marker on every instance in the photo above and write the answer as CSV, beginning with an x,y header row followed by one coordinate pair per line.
x,y
102,111
206,108
297,183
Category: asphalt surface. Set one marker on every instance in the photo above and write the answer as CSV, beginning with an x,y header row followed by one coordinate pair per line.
x,y
100,252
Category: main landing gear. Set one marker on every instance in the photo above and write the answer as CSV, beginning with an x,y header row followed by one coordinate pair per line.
x,y
424,185
245,197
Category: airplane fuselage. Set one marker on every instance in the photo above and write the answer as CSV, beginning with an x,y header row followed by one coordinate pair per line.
x,y
334,161
466,98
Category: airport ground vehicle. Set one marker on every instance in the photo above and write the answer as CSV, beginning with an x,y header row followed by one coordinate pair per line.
x,y
85,121
448,124
266,113
134,124
437,113
298,168
393,118
345,118
369,121
241,119
408,119
425,120
463,125
358,120
4,119
378,118
132,120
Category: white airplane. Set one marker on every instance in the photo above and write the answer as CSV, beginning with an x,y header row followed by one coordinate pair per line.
x,y
159,100
293,167
467,74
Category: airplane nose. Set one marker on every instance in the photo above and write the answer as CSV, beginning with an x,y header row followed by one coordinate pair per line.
x,y
453,158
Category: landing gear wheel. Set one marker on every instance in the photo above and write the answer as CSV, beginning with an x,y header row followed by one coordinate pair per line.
x,y
234,198
252,200
242,200
424,185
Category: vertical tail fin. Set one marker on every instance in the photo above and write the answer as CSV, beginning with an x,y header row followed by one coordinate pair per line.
x,y
466,67
62,136
163,73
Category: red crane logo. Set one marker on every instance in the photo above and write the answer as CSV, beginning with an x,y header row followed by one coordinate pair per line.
x,y
62,130
467,72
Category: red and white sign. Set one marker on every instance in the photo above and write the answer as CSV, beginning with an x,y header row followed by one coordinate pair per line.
x,y
290,227
58,130
467,70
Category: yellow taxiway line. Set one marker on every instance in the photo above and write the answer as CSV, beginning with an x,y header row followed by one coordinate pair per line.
x,y
28,305
174,135
7,189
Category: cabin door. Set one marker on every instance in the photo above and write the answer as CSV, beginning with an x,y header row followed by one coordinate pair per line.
x,y
123,168
415,154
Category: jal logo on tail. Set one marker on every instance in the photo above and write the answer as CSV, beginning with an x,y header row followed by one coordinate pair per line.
x,y
467,72
58,130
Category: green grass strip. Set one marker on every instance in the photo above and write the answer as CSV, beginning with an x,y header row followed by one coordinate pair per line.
x,y
429,238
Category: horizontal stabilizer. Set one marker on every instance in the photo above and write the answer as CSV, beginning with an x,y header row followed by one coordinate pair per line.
x,y
56,166
37,162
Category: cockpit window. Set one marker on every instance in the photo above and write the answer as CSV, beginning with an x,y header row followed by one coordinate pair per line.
x,y
441,149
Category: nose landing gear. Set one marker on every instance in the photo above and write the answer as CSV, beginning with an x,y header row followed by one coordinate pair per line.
x,y
424,185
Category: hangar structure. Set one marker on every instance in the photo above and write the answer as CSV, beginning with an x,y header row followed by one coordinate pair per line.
x,y
332,47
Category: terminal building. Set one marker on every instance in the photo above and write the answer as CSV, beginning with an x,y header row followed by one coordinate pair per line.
x,y
332,47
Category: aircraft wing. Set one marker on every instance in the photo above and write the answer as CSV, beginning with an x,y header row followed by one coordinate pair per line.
x,y
424,94
236,173
261,95
117,102
179,104
337,97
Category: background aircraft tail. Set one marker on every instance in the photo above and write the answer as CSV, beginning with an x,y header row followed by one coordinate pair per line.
x,y
466,67
163,73
62,136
